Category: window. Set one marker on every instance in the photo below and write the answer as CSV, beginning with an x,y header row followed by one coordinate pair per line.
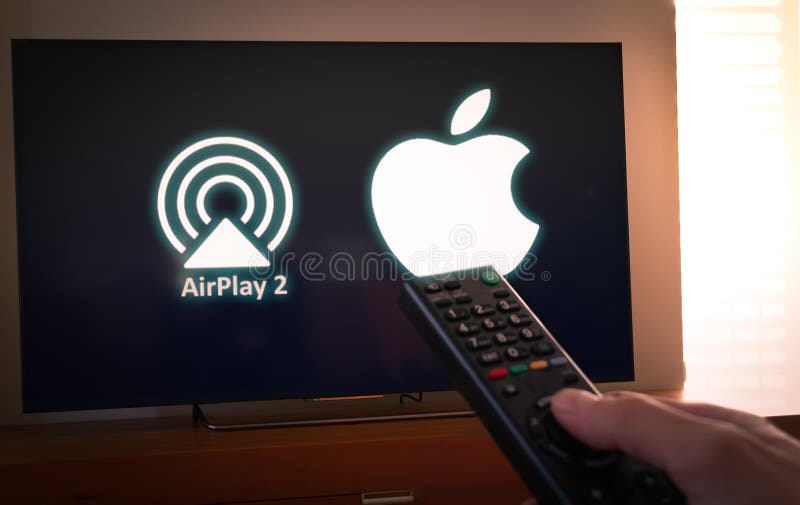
x,y
738,137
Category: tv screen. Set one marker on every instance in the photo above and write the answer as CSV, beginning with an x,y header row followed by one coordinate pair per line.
x,y
227,221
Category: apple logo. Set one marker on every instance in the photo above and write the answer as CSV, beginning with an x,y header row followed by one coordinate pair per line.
x,y
443,207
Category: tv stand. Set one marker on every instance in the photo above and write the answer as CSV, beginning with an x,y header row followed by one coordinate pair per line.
x,y
346,416
413,397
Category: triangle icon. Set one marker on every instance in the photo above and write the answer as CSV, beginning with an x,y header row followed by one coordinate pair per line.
x,y
226,247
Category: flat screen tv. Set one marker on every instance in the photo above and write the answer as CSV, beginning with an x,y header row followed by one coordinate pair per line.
x,y
226,221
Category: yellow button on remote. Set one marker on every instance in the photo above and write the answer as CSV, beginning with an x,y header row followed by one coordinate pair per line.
x,y
538,365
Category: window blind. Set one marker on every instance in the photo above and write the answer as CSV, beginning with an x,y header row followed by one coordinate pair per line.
x,y
737,64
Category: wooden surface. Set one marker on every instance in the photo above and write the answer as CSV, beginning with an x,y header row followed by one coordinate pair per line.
x,y
168,460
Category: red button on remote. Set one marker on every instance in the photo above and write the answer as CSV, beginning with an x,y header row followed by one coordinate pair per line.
x,y
498,373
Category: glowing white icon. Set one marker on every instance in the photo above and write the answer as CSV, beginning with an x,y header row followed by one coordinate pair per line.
x,y
227,246
427,194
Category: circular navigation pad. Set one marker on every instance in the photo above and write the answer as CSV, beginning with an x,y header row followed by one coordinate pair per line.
x,y
562,446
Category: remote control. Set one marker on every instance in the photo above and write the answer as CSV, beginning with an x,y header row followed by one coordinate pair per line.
x,y
508,365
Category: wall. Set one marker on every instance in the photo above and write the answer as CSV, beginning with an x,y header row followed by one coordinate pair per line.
x,y
646,29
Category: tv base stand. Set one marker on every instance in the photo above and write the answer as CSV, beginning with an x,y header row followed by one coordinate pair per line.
x,y
199,417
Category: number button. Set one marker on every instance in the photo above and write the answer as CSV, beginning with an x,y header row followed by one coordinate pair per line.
x,y
465,329
433,287
461,297
443,301
489,358
507,306
501,338
516,353
450,285
456,314
529,334
493,323
519,320
478,343
482,310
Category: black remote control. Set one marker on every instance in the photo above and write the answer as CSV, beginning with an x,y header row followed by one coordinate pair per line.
x,y
507,365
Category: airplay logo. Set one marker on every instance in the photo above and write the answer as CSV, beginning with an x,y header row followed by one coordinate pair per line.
x,y
196,172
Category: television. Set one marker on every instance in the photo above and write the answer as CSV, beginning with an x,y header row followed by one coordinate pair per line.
x,y
205,222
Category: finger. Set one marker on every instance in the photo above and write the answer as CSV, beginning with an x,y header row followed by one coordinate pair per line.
x,y
707,410
636,424
738,417
752,423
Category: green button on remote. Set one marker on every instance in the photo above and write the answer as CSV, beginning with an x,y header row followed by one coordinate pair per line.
x,y
518,369
490,277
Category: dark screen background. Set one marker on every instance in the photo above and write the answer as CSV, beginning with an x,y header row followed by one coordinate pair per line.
x,y
96,123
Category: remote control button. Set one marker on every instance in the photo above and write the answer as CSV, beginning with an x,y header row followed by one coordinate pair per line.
x,y
510,390
443,301
502,338
535,430
451,285
517,353
570,378
456,314
433,287
597,495
558,361
482,310
655,491
530,334
559,453
498,373
477,343
542,348
489,358
507,306
601,459
543,402
562,445
646,480
500,293
494,323
461,297
465,329
490,278
519,320
518,369
538,365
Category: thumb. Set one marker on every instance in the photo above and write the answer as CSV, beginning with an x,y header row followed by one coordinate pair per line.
x,y
633,423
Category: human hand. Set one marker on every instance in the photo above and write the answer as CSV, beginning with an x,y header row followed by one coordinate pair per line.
x,y
715,455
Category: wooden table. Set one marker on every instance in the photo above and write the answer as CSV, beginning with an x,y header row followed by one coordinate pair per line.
x,y
168,460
